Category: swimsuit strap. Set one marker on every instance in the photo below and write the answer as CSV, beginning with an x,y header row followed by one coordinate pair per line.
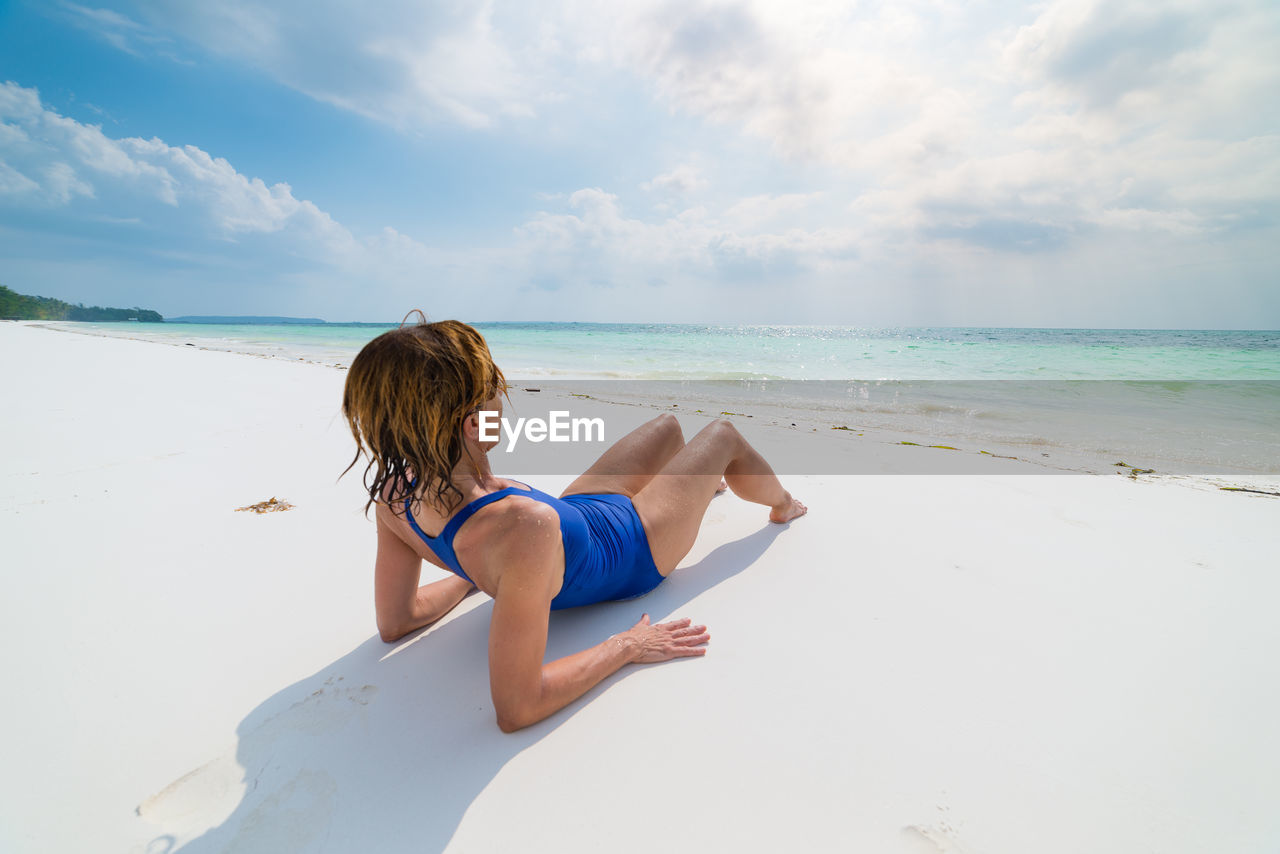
x,y
442,545
467,512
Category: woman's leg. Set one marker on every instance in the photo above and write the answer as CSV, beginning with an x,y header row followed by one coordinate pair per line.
x,y
672,504
633,460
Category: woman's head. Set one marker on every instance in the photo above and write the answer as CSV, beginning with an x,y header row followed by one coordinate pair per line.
x,y
407,395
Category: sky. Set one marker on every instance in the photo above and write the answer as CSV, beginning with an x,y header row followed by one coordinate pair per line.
x,y
907,163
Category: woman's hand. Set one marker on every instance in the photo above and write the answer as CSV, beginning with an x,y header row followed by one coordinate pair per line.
x,y
665,641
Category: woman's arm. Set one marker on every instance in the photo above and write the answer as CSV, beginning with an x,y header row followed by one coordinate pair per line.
x,y
524,689
402,606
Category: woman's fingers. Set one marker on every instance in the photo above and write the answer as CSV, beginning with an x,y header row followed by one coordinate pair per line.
x,y
687,651
674,639
687,639
696,640
682,632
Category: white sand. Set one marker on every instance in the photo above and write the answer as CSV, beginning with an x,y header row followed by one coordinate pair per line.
x,y
986,663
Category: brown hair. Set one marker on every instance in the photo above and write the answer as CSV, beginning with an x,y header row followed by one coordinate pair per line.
x,y
406,396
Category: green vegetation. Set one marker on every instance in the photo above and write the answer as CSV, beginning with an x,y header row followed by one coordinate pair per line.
x,y
15,306
1247,489
1134,471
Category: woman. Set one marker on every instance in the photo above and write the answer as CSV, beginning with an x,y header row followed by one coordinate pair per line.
x,y
413,397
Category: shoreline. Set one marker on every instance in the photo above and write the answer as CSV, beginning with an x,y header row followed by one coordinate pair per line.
x,y
736,402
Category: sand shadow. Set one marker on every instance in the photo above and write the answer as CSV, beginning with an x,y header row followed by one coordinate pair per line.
x,y
387,747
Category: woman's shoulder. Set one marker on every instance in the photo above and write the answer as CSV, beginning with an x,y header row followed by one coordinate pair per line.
x,y
518,523
526,543
517,514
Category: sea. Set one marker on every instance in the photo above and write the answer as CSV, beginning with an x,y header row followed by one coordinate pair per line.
x,y
1188,401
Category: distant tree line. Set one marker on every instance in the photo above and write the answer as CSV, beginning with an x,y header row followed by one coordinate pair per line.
x,y
15,306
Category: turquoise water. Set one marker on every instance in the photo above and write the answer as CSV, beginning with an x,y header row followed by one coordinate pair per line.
x,y
696,352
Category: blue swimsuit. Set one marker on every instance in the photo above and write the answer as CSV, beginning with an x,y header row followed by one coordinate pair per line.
x,y
606,552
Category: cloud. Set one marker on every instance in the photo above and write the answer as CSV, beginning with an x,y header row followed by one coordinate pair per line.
x,y
404,63
1105,53
1137,73
14,183
1039,113
721,62
595,238
680,181
62,182
819,80
1128,56
1004,234
1020,138
769,208
116,29
56,159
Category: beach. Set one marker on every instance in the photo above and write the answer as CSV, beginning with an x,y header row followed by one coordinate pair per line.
x,y
988,656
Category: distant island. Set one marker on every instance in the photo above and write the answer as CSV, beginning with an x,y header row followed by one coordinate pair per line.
x,y
16,306
243,319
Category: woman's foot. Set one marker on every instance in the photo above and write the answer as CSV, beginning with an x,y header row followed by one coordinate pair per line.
x,y
787,510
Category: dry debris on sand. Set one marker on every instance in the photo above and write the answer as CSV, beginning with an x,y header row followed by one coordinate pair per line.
x,y
271,505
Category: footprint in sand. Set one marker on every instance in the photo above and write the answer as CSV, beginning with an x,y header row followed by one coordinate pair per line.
x,y
290,817
933,839
208,795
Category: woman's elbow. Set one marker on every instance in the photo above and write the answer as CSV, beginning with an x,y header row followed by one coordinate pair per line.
x,y
391,631
510,724
516,718
394,622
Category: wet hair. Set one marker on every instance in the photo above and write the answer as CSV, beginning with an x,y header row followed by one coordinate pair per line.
x,y
407,395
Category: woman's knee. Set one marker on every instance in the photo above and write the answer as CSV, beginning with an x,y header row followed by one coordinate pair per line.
x,y
668,427
722,433
723,428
